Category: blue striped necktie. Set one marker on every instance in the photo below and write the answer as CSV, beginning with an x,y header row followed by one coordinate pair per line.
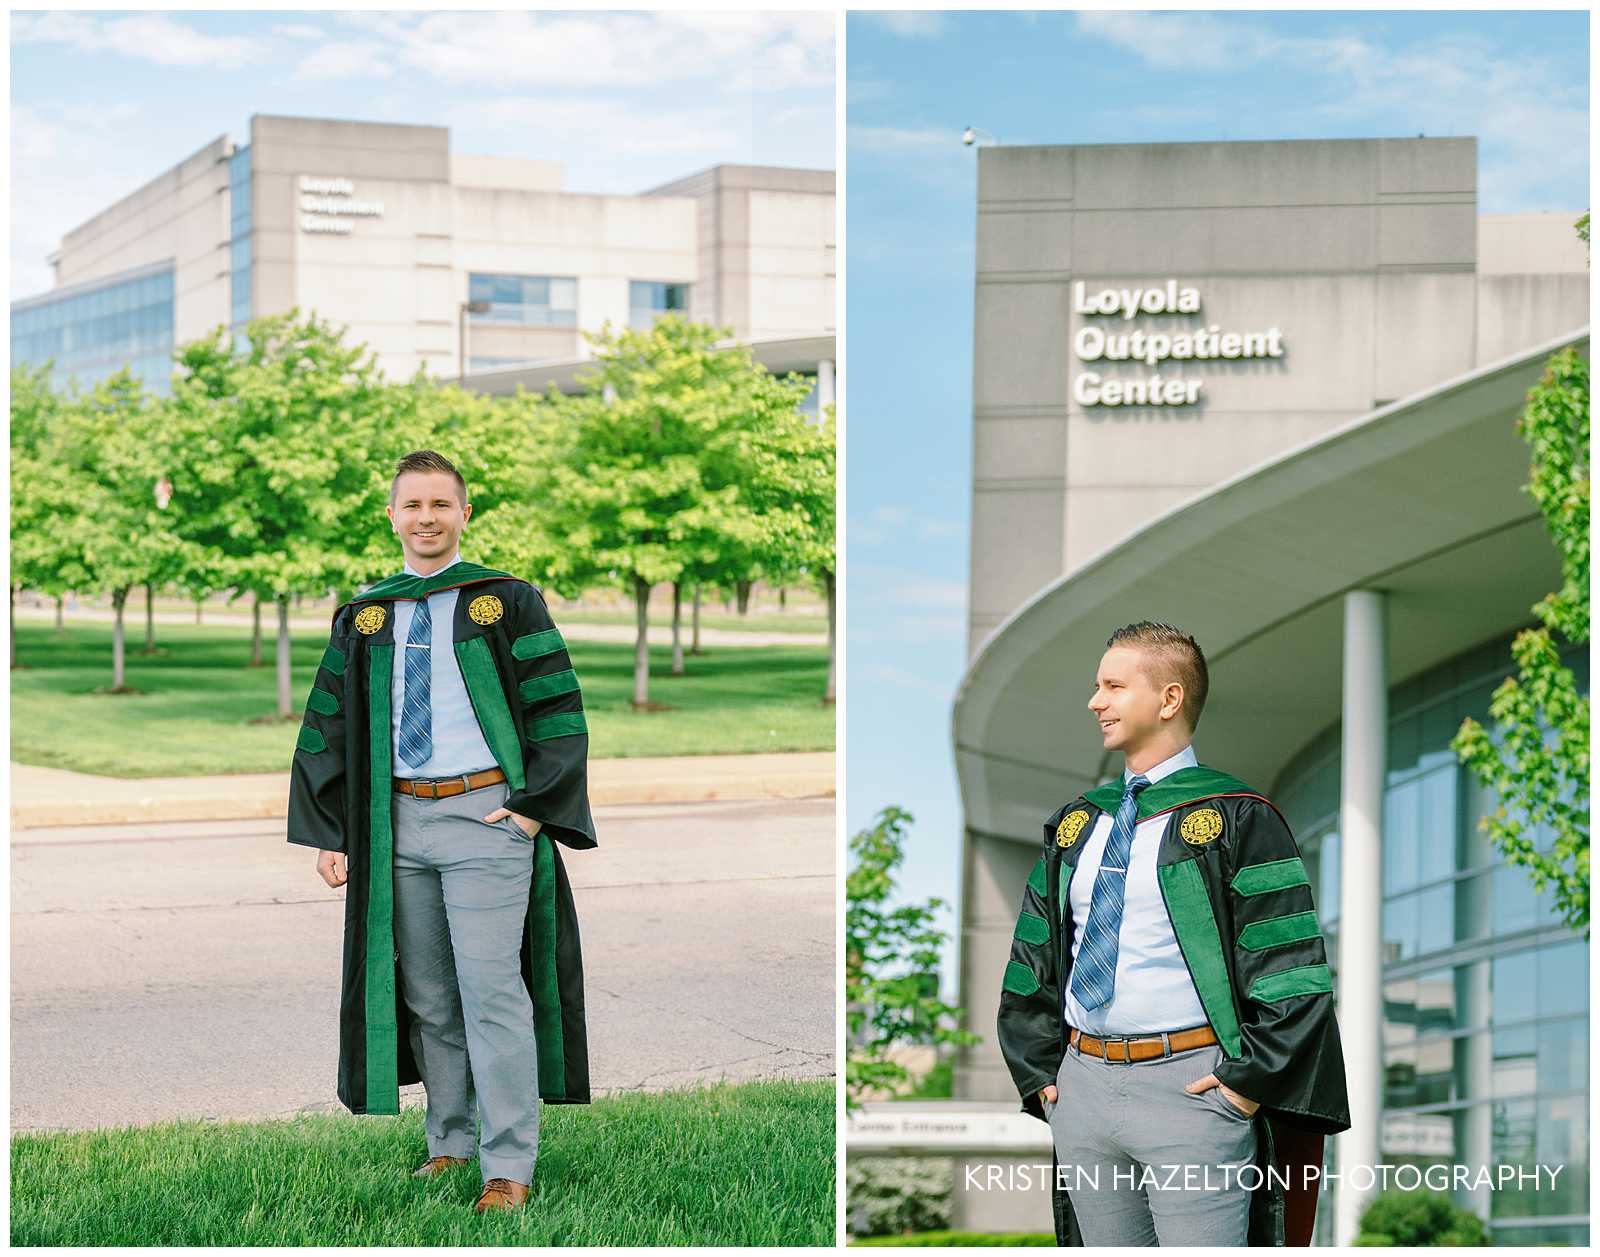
x,y
416,714
1094,972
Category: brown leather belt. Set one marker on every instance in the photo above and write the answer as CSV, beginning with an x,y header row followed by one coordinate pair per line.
x,y
444,787
1145,1048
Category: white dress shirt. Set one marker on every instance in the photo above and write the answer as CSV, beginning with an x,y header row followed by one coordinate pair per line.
x,y
458,743
1153,990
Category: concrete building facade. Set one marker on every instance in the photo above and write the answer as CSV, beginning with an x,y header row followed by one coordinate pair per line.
x,y
441,261
1265,391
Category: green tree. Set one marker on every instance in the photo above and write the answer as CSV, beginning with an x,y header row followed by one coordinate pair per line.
x,y
1537,757
659,464
1419,1219
891,965
104,454
46,542
288,443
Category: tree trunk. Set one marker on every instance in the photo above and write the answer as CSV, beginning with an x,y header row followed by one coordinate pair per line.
x,y
14,623
255,633
641,645
61,620
694,642
783,597
744,596
119,646
833,638
285,709
677,628
199,605
149,619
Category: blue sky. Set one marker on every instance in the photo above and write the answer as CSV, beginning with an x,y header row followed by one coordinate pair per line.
x,y
1518,81
103,102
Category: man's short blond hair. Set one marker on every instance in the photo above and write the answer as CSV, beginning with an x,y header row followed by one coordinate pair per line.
x,y
1170,655
426,460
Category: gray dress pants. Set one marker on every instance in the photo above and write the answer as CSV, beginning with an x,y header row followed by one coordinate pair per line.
x,y
460,897
1146,1162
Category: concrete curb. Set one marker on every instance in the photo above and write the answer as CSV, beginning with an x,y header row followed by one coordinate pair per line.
x,y
52,797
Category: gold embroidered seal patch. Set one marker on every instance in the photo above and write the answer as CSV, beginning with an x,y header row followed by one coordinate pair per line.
x,y
1071,827
370,619
486,610
1201,827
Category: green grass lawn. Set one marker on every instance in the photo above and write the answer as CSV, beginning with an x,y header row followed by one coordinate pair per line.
x,y
731,1165
199,699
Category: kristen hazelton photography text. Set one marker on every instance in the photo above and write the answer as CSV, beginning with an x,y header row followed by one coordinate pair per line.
x,y
1011,1176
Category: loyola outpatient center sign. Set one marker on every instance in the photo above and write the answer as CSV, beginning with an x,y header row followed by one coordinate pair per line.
x,y
1095,342
328,206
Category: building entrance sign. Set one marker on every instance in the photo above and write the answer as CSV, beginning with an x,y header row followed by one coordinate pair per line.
x,y
328,206
1095,343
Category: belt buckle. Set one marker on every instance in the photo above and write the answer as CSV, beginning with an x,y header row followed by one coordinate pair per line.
x,y
1127,1051
1166,1045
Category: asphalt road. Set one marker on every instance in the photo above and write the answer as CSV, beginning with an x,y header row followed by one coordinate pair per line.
x,y
191,969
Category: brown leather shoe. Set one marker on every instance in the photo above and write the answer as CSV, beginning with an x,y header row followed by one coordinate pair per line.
x,y
438,1165
502,1193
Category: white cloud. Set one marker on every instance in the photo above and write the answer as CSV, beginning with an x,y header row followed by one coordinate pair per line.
x,y
889,525
625,128
743,50
1528,119
886,139
350,60
907,23
147,36
291,30
68,162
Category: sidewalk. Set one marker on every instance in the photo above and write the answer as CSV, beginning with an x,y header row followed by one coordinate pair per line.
x,y
573,630
53,796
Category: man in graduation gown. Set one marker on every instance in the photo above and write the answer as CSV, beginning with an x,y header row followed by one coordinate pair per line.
x,y
1168,1001
442,756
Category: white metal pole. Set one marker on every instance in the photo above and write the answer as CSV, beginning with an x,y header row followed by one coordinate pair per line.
x,y
1363,758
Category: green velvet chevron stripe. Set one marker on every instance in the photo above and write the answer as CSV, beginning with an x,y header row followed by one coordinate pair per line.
x,y
1279,931
383,1064
1038,879
1262,879
1187,785
333,660
322,702
489,702
1189,907
405,586
536,688
1019,979
1302,980
562,725
1032,929
549,1041
536,645
311,740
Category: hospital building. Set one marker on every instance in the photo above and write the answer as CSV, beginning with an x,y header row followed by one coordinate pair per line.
x,y
1267,392
457,264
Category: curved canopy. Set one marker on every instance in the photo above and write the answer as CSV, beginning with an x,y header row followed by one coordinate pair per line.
x,y
1421,499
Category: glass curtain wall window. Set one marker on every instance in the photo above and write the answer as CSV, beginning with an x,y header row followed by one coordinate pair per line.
x,y
1486,1009
239,248
648,300
538,300
89,336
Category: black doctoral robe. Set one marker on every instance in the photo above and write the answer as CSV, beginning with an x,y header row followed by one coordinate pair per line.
x,y
525,695
1239,900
